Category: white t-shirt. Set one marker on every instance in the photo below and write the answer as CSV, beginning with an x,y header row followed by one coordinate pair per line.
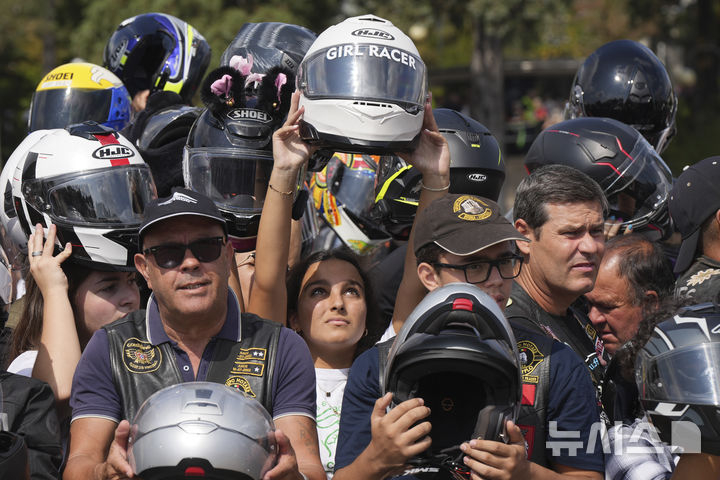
x,y
388,334
330,388
23,363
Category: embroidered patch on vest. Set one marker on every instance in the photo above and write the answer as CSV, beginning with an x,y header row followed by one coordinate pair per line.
x,y
241,384
530,357
140,356
701,276
250,361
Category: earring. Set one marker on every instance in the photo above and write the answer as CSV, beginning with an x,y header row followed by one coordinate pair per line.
x,y
366,333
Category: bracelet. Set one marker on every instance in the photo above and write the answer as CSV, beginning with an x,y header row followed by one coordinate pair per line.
x,y
285,194
422,185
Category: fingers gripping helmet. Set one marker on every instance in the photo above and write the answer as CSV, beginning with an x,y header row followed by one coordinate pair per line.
x,y
156,51
635,180
677,377
624,80
93,185
201,429
363,86
457,351
270,44
343,193
476,168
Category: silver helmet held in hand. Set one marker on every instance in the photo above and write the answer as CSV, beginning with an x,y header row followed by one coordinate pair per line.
x,y
201,429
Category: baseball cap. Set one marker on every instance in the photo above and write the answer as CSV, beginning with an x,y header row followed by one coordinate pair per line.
x,y
463,225
181,202
694,197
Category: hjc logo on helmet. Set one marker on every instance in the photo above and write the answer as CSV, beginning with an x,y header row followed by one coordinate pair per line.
x,y
111,152
372,33
248,114
477,177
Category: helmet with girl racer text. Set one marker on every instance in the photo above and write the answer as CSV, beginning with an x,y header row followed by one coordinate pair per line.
x,y
624,80
228,155
79,92
156,51
457,352
343,193
677,376
635,180
363,86
476,168
201,429
93,185
270,44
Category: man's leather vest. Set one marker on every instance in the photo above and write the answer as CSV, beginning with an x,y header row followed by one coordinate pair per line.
x,y
141,368
534,350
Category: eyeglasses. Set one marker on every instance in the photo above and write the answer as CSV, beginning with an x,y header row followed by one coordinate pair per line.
x,y
172,254
478,272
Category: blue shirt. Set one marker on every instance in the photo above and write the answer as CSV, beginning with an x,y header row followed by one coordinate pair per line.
x,y
293,383
572,404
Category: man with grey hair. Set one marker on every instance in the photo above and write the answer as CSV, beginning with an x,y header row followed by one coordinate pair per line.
x,y
561,211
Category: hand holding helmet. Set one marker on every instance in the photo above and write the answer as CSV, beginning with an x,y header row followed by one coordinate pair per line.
x,y
290,152
45,267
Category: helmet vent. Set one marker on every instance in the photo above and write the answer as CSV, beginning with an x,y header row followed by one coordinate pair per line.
x,y
462,304
373,104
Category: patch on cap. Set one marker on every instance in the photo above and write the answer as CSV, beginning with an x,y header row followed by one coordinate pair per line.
x,y
471,208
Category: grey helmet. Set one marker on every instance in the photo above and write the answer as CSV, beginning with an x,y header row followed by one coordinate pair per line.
x,y
201,429
677,377
457,351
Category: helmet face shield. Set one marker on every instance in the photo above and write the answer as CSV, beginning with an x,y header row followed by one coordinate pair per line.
x,y
235,179
61,107
108,197
367,72
639,186
689,375
353,187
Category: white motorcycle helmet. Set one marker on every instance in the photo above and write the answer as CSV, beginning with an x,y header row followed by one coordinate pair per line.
x,y
201,429
90,182
363,86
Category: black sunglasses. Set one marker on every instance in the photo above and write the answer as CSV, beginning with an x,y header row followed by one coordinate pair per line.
x,y
171,255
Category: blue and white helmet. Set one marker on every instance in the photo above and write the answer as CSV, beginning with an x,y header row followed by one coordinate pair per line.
x,y
156,51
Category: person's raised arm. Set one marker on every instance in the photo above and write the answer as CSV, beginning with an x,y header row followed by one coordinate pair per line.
x,y
432,159
269,295
59,348
98,450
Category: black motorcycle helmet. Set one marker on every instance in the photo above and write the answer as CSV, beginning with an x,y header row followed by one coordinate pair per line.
x,y
677,376
476,168
635,180
624,80
228,155
270,44
457,351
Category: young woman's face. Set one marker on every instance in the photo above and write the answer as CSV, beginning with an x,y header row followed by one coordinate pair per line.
x,y
331,306
104,297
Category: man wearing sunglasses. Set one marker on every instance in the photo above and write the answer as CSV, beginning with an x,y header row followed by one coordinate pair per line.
x,y
464,238
192,330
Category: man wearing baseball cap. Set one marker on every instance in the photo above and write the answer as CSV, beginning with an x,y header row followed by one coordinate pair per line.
x,y
464,238
192,330
695,210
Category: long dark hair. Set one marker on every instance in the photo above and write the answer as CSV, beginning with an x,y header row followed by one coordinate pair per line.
x,y
26,334
373,321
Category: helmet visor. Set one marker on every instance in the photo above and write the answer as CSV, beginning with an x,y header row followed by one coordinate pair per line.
x,y
58,108
108,197
687,375
235,179
354,187
640,185
366,72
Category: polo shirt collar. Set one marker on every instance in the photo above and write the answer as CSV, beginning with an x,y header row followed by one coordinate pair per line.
x,y
231,329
